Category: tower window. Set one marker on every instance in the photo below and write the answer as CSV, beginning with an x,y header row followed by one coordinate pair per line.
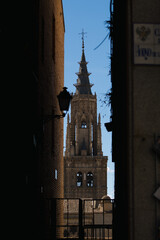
x,y
89,179
92,132
79,179
83,125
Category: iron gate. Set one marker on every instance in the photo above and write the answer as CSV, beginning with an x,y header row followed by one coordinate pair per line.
x,y
81,219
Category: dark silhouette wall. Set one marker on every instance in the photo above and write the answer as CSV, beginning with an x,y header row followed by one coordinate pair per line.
x,y
30,84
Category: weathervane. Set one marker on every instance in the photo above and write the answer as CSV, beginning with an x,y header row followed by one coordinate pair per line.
x,y
83,33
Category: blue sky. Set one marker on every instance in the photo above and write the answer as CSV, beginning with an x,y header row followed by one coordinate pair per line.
x,y
90,15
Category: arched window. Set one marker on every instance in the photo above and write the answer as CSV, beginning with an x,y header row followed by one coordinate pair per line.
x,y
79,179
83,125
92,132
89,179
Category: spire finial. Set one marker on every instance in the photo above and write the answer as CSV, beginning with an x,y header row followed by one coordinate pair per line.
x,y
83,33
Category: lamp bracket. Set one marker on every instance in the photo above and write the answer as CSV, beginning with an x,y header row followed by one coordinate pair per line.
x,y
47,118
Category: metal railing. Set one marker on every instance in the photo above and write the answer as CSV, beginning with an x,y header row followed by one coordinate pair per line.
x,y
81,219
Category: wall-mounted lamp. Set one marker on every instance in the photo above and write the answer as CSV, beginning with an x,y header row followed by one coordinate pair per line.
x,y
64,99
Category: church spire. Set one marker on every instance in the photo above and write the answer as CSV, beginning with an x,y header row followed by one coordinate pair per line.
x,y
83,85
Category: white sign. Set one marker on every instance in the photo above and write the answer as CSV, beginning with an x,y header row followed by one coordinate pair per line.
x,y
147,44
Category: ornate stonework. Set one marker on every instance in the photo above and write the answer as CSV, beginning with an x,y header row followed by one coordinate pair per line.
x,y
85,174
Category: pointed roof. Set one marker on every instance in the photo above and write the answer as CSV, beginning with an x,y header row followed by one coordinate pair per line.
x,y
83,85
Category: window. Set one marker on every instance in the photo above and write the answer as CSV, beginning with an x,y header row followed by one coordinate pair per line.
x,y
56,174
92,132
34,140
41,189
83,125
79,179
89,179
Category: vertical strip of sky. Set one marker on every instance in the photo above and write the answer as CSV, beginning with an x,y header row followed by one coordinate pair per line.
x,y
90,15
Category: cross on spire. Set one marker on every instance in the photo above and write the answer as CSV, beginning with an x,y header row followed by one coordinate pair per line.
x,y
83,33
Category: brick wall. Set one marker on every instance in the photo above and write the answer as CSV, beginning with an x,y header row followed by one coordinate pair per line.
x,y
51,80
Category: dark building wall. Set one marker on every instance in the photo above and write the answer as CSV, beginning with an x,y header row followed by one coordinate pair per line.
x,y
136,104
51,80
32,150
19,60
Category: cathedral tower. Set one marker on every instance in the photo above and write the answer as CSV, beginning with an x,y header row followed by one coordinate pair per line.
x,y
85,166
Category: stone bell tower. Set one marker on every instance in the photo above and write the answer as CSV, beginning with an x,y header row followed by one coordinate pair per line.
x,y
85,166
